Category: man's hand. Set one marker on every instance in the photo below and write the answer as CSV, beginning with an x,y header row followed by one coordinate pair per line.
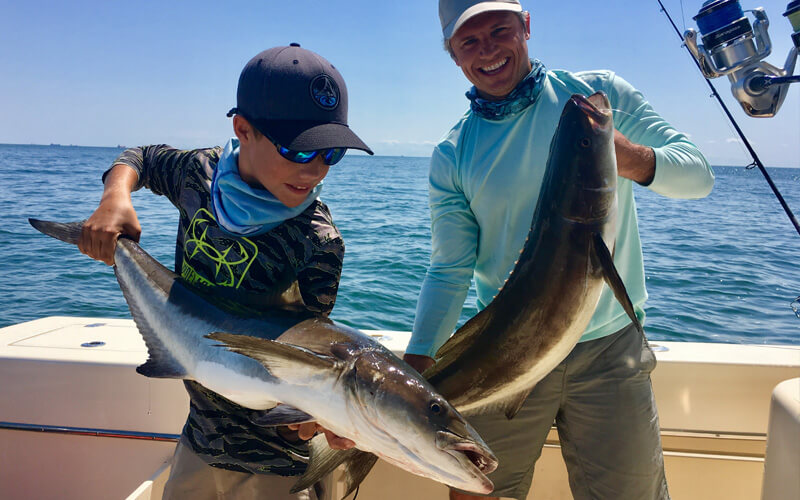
x,y
114,216
419,362
634,161
307,430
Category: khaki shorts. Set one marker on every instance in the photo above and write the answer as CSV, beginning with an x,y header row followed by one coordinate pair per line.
x,y
602,402
192,479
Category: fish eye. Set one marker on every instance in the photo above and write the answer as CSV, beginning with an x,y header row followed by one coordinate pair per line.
x,y
586,142
435,408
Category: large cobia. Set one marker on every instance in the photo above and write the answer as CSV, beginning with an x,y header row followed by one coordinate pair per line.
x,y
317,369
496,358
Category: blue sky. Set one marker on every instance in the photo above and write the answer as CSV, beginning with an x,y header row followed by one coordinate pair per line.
x,y
107,73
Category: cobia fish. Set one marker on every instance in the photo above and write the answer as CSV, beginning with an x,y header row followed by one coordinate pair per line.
x,y
496,358
317,369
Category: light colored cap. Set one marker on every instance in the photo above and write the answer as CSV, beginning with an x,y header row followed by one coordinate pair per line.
x,y
454,13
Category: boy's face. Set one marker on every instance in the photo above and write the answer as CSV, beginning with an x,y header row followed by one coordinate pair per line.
x,y
261,166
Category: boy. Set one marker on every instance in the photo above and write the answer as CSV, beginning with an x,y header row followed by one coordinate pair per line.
x,y
251,224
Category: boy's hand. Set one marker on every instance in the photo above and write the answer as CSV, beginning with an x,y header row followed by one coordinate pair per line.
x,y
113,217
307,430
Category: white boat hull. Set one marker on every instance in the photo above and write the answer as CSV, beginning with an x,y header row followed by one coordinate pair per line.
x,y
79,422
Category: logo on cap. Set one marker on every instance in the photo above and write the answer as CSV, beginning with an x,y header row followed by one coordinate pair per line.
x,y
325,92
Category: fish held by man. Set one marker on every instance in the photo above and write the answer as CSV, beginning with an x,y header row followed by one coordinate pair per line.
x,y
495,359
296,367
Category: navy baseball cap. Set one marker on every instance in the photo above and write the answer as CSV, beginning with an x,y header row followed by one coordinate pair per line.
x,y
297,98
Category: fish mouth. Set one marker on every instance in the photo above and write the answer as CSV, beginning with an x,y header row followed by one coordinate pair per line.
x,y
474,457
596,107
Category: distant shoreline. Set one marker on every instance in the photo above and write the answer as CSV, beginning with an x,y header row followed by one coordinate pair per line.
x,y
354,153
55,145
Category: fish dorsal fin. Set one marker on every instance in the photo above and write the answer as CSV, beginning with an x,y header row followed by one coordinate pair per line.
x,y
613,279
464,336
281,360
280,415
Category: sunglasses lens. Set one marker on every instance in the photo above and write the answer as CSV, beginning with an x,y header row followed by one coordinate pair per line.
x,y
334,155
296,156
303,156
329,156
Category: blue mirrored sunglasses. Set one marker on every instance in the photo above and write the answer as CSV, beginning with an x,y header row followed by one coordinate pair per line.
x,y
330,156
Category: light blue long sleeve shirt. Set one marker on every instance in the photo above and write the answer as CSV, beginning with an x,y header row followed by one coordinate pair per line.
x,y
485,178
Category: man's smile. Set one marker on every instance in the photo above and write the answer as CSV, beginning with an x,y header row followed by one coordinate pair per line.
x,y
494,68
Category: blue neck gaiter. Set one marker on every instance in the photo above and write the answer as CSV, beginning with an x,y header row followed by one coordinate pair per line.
x,y
242,209
523,95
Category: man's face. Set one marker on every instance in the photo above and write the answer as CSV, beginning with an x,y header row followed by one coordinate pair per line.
x,y
261,166
492,51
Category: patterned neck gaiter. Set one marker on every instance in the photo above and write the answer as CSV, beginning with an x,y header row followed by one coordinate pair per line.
x,y
523,95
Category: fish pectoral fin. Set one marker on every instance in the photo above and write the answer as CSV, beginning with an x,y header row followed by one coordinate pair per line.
x,y
280,359
613,279
322,460
280,415
509,406
512,405
356,469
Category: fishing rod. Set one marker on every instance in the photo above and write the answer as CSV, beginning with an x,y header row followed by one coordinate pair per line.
x,y
751,84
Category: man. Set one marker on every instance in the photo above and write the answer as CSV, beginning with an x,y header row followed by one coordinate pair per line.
x,y
485,178
250,225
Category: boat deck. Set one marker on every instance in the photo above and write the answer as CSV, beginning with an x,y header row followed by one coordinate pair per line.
x,y
73,406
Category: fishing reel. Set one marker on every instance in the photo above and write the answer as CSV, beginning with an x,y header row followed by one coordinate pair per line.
x,y
733,46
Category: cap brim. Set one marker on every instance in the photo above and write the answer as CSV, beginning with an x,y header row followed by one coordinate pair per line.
x,y
311,136
476,9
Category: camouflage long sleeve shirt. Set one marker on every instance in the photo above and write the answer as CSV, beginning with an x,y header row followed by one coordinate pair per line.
x,y
246,273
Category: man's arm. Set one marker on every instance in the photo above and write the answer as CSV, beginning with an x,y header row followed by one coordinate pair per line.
x,y
634,161
651,152
454,243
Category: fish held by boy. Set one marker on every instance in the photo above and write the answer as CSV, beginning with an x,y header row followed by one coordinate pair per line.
x,y
495,359
316,369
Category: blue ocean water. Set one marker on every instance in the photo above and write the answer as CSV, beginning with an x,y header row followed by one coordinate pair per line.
x,y
720,269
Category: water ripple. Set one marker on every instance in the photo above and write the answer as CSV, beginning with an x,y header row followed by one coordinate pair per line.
x,y
720,269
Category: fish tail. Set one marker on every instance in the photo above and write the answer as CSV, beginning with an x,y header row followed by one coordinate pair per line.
x,y
69,232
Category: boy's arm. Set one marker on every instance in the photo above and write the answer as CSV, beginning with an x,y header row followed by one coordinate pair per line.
x,y
114,215
317,262
159,168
